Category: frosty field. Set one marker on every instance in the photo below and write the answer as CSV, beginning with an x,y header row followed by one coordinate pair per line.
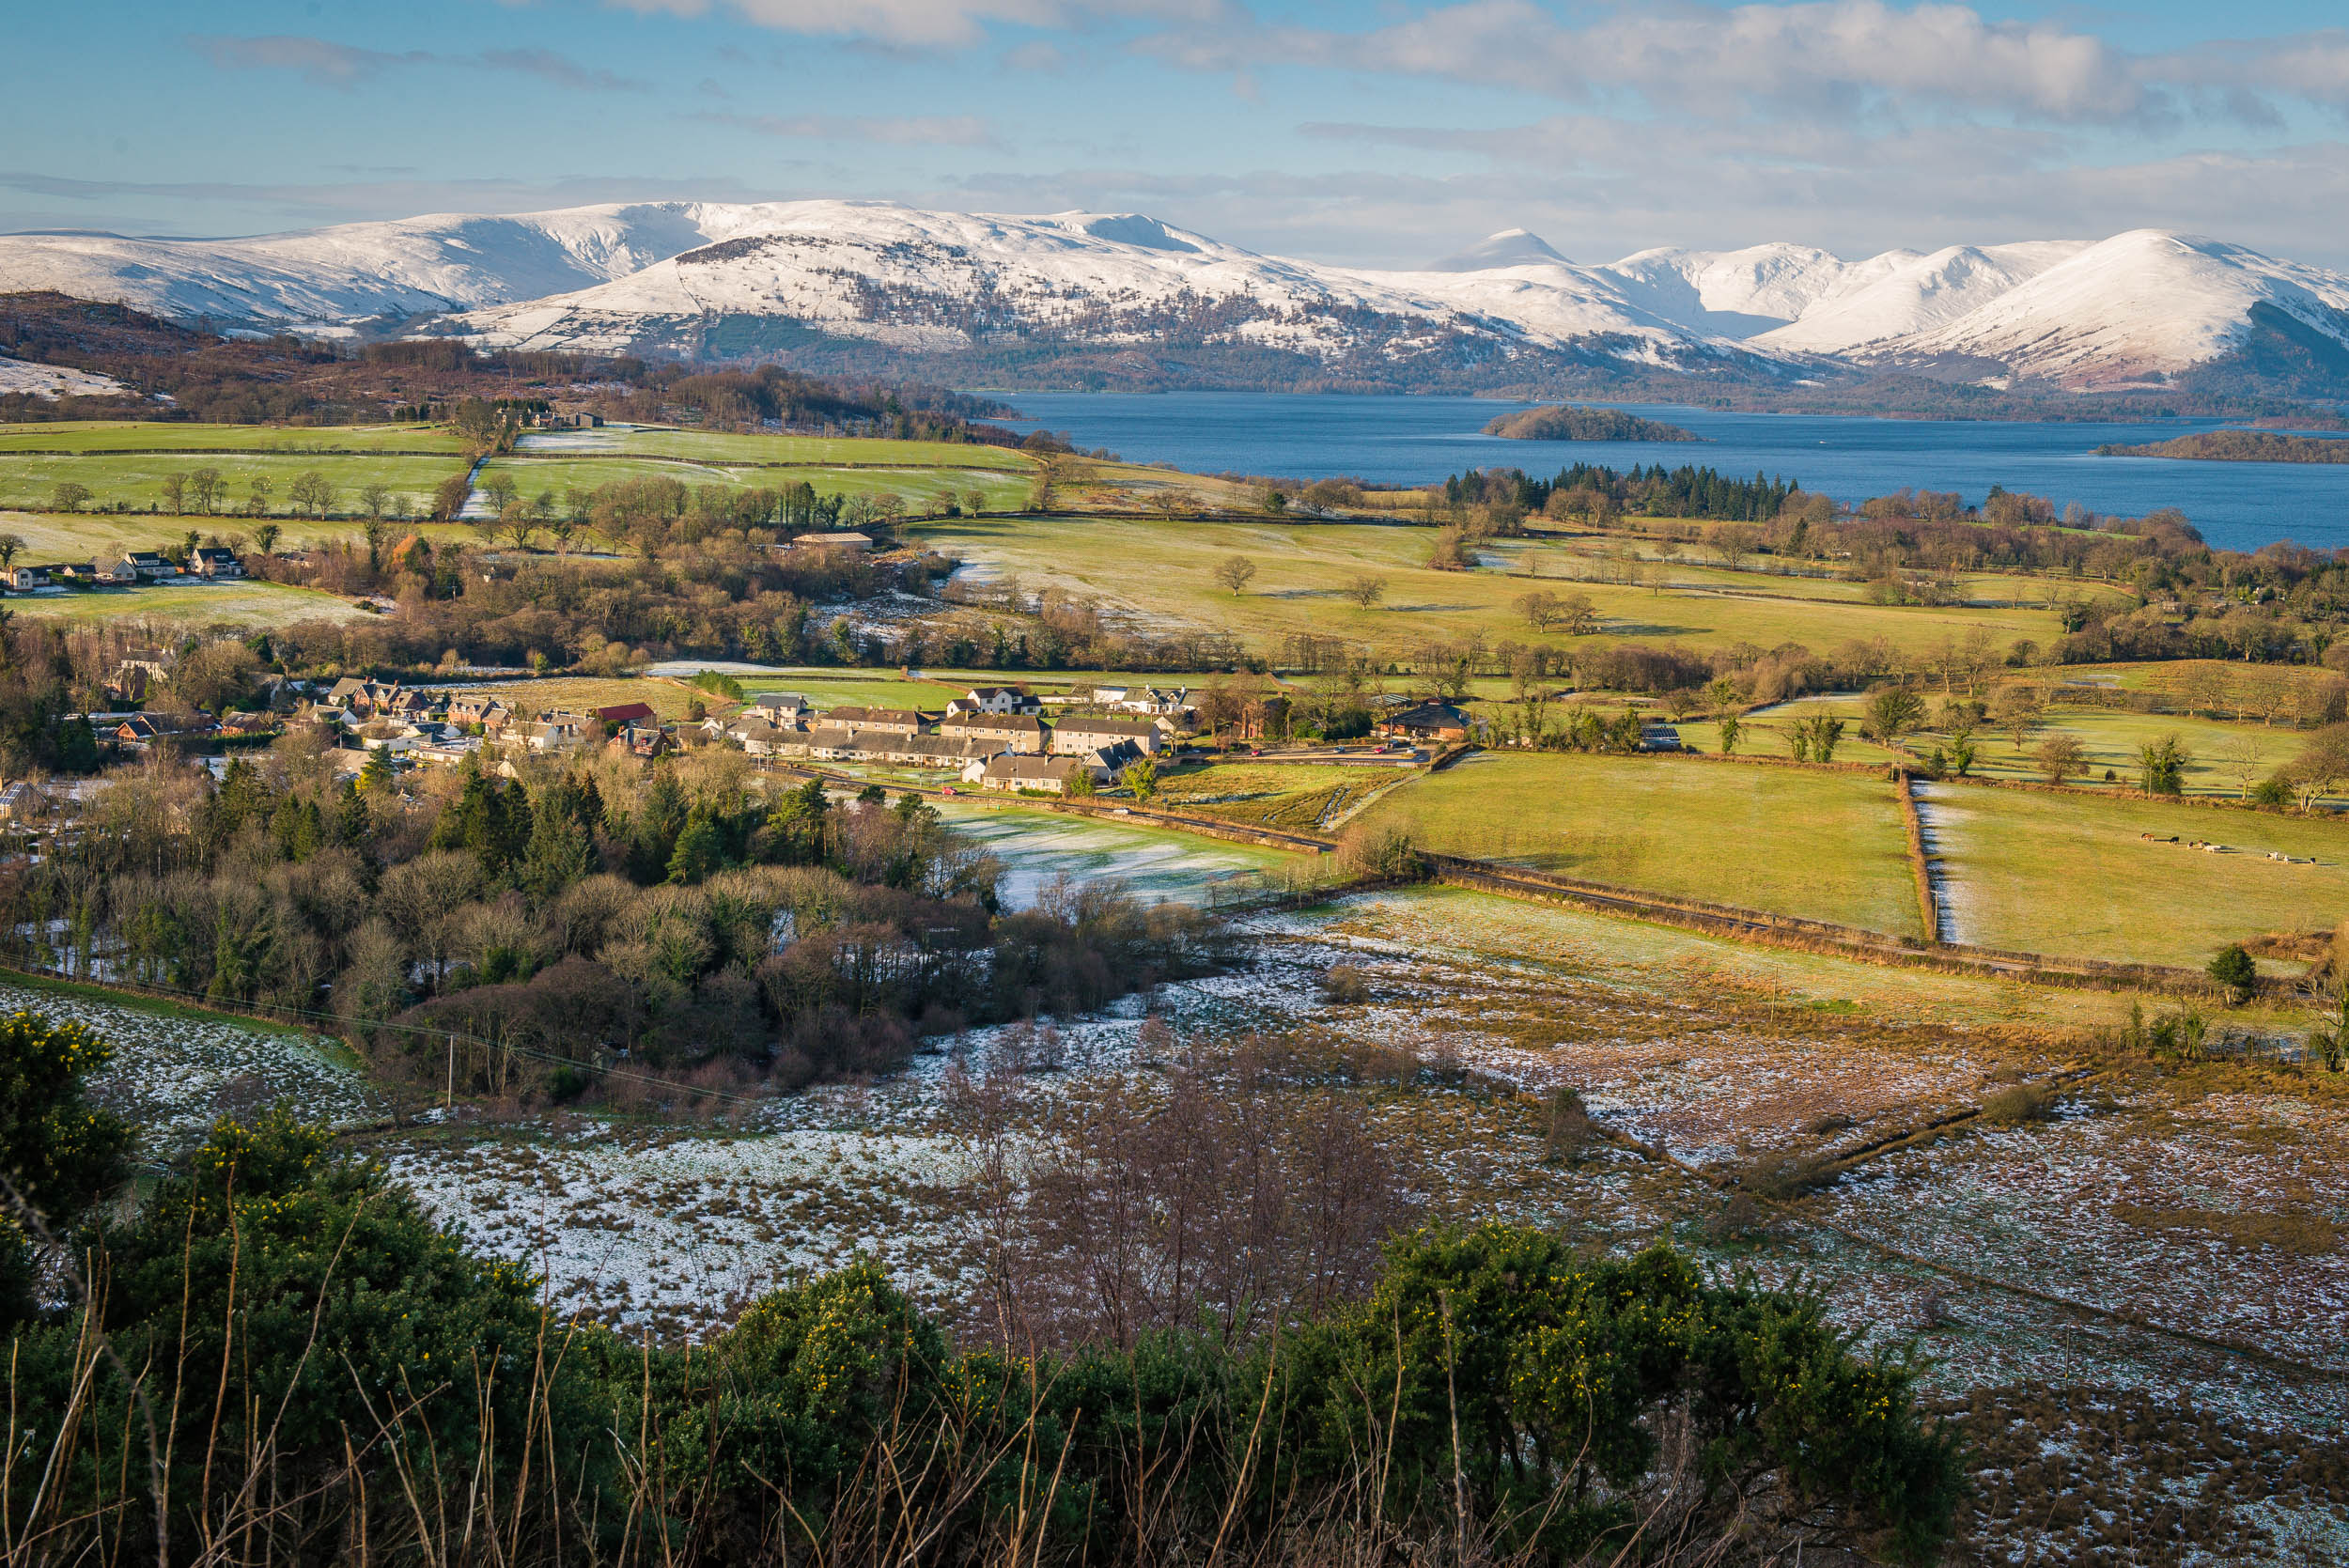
x,y
2134,1233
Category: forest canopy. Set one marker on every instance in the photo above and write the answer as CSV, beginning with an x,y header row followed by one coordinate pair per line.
x,y
2237,446
1573,422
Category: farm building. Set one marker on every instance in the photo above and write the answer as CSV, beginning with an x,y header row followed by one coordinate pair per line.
x,y
1435,721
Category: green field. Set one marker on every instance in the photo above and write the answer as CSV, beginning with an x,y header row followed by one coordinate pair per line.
x,y
1165,569
717,447
126,464
1573,565
137,479
103,436
2069,874
531,474
2110,737
581,692
1824,846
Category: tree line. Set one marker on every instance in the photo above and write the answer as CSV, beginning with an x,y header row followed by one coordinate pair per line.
x,y
691,919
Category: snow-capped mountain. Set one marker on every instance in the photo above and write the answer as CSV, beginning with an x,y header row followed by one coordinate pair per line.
x,y
725,281
2134,304
939,281
350,272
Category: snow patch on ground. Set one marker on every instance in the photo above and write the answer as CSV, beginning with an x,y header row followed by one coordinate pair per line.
x,y
53,380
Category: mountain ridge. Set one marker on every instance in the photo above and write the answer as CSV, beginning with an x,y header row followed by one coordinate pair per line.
x,y
2145,308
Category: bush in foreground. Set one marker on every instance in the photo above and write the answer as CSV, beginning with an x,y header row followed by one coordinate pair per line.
x,y
329,1375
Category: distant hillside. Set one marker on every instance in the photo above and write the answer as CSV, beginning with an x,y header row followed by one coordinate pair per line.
x,y
2239,446
1572,423
63,358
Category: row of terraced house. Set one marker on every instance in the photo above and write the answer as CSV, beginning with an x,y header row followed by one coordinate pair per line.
x,y
992,736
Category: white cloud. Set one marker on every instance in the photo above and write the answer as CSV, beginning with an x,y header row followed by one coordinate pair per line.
x,y
929,23
1705,59
1598,189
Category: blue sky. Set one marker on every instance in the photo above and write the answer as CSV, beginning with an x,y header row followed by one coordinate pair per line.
x,y
1377,134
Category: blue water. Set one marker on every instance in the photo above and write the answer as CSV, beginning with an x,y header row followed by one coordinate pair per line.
x,y
1416,440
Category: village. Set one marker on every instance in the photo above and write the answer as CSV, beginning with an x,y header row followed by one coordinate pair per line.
x,y
1004,739
203,562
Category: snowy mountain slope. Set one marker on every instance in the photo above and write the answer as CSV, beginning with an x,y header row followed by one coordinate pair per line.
x,y
2130,308
1900,294
1511,247
1734,294
930,280
353,271
721,280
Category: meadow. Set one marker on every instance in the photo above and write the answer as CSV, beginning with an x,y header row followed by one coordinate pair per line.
x,y
1298,797
1823,845
2073,874
92,436
136,479
2223,754
1161,571
922,486
717,447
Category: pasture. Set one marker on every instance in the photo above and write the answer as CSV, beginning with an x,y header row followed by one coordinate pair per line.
x,y
2071,873
1159,572
2225,756
136,479
921,487
722,447
94,436
1819,844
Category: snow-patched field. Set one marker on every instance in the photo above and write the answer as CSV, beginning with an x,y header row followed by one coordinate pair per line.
x,y
173,1075
2171,1238
53,380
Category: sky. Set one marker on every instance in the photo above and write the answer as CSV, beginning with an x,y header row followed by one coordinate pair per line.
x,y
1372,134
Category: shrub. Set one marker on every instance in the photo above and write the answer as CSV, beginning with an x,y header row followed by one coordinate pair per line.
x,y
1493,1371
2237,971
60,1154
1345,983
2023,1102
1569,1133
1366,851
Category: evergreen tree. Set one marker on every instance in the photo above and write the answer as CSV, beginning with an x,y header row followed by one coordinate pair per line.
x,y
700,848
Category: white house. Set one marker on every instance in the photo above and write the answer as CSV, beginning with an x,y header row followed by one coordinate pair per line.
x,y
782,707
998,699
